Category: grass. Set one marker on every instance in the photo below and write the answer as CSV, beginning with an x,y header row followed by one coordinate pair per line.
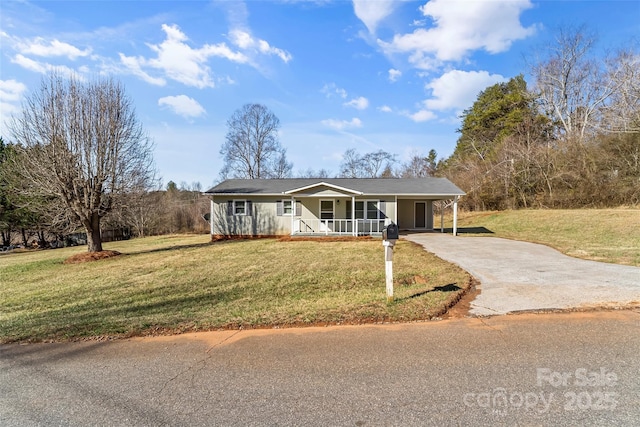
x,y
608,235
184,283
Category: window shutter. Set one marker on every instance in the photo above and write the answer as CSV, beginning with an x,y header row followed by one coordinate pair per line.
x,y
279,208
349,208
383,209
249,208
298,208
230,207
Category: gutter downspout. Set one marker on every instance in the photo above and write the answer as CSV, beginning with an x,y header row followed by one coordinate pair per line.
x,y
211,230
293,213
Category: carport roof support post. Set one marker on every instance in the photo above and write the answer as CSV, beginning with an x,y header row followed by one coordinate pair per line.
x,y
455,216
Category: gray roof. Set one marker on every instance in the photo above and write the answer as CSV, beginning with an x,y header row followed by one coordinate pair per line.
x,y
360,186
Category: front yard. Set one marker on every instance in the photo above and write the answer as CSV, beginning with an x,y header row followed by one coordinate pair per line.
x,y
172,284
607,235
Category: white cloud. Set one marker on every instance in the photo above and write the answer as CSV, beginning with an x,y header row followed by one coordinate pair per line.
x,y
371,13
245,41
454,90
11,90
29,64
40,47
342,124
182,105
360,103
385,109
133,65
331,89
459,89
422,116
10,93
394,74
461,27
43,67
179,61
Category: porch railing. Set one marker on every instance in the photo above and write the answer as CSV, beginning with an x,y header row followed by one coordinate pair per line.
x,y
338,226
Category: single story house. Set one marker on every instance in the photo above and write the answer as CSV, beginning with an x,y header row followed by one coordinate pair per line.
x,y
336,206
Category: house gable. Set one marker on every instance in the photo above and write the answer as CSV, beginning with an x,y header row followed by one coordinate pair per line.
x,y
322,189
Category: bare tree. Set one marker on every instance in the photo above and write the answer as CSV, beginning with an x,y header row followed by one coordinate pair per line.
x,y
369,165
377,163
419,166
572,85
351,166
312,173
252,149
82,145
622,114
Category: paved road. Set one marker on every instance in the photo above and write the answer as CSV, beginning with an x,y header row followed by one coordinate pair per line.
x,y
545,369
518,276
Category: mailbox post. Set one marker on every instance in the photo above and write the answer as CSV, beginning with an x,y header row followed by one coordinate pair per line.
x,y
390,236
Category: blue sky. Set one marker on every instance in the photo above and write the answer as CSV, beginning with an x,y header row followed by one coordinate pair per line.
x,y
369,75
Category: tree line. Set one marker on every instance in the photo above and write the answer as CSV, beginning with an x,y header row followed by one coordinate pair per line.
x,y
31,220
571,140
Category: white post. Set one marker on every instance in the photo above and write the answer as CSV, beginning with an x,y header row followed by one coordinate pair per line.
x,y
354,226
395,210
442,216
455,216
211,217
388,267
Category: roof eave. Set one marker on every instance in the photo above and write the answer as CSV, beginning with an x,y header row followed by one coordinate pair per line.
x,y
240,194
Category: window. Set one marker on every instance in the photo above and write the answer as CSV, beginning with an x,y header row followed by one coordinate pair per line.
x,y
372,209
287,208
239,207
368,209
359,210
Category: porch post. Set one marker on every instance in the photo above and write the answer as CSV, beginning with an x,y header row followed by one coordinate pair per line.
x,y
455,216
211,217
395,211
293,213
354,226
442,204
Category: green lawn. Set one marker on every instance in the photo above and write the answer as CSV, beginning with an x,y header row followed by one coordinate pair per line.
x,y
609,235
184,283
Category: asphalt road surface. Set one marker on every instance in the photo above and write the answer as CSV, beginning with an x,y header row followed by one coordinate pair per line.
x,y
562,369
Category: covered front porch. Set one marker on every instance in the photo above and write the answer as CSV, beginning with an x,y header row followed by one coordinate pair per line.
x,y
330,210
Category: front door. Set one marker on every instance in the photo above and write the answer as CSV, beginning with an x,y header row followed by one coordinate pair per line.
x,y
326,209
421,215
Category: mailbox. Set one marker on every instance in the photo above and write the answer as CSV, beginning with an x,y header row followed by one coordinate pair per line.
x,y
390,232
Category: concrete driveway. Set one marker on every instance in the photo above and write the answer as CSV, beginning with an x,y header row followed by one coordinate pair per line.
x,y
517,276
